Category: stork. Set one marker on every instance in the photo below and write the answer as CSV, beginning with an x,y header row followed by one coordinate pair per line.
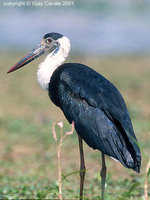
x,y
89,100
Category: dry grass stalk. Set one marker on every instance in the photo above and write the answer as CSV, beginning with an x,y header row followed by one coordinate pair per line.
x,y
146,182
59,144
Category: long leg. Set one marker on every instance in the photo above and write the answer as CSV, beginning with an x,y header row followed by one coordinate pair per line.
x,y
82,167
103,176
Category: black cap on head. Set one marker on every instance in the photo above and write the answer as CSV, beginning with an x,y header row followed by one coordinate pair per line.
x,y
55,36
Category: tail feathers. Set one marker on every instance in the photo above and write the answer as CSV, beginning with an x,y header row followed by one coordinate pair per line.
x,y
136,165
132,163
129,150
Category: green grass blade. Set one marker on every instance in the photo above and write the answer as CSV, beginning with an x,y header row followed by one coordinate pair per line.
x,y
148,173
128,193
71,173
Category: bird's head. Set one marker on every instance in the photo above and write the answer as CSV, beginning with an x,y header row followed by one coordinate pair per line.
x,y
52,43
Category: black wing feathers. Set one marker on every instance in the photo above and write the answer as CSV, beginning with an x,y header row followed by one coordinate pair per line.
x,y
98,110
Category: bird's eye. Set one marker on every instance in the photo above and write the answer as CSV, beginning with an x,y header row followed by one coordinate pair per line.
x,y
49,40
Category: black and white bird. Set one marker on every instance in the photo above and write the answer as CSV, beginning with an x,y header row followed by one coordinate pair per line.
x,y
89,100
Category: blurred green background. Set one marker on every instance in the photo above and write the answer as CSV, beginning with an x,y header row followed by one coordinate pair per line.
x,y
110,36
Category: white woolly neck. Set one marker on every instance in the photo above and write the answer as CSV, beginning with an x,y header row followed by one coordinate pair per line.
x,y
52,62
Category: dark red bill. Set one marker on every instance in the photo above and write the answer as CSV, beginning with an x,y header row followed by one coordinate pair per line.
x,y
36,52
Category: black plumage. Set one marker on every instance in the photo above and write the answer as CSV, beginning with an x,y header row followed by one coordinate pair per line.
x,y
53,35
98,110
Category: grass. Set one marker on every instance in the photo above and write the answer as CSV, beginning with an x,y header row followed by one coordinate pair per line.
x,y
28,155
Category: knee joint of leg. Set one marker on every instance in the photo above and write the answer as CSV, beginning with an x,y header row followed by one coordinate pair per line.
x,y
82,172
103,172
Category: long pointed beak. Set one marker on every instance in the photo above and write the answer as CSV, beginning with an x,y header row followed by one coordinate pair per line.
x,y
35,53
